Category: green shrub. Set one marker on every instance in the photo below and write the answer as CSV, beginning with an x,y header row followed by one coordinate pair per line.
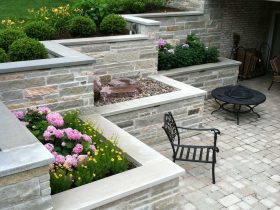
x,y
80,26
39,30
189,56
132,6
3,56
8,36
27,49
192,53
113,24
154,4
211,55
95,9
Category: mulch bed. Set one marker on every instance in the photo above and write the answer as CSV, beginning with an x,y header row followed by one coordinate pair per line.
x,y
148,88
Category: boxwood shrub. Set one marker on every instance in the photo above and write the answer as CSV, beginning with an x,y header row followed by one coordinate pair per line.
x,y
80,26
113,24
8,36
27,49
39,30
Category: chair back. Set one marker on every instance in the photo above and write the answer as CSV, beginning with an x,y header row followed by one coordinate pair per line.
x,y
275,64
171,130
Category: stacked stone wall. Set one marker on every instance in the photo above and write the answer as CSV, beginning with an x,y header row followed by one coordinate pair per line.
x,y
58,88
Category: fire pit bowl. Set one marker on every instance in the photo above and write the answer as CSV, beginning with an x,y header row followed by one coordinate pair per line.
x,y
239,96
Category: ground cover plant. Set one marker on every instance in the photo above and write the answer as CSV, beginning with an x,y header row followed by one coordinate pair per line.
x,y
193,52
81,153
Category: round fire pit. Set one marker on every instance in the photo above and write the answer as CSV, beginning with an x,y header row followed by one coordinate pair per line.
x,y
239,96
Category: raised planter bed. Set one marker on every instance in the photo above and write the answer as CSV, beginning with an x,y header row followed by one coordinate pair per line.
x,y
207,76
143,117
24,181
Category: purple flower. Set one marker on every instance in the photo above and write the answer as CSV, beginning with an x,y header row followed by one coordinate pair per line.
x,y
87,138
19,114
54,153
78,149
44,110
161,42
55,119
59,159
92,147
49,146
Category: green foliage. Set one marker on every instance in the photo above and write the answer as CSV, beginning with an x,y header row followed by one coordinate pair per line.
x,y
80,26
60,179
113,24
211,55
39,30
27,49
8,36
192,53
36,123
95,9
3,56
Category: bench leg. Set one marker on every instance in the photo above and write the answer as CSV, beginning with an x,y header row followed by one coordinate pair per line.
x,y
270,85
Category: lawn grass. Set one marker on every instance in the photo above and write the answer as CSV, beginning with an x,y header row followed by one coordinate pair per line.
x,y
18,8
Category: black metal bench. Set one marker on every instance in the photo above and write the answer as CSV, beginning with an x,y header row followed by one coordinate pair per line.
x,y
183,152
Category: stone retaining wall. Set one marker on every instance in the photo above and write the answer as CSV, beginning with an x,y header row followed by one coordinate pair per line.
x,y
24,173
161,197
120,56
26,190
207,76
59,88
143,118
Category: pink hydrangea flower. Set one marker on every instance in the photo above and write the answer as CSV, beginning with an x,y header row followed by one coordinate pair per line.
x,y
161,42
73,134
55,119
59,134
59,159
44,110
92,147
47,135
87,138
19,114
49,146
70,161
78,149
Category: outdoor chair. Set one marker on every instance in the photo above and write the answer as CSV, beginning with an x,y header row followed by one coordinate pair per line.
x,y
192,153
275,64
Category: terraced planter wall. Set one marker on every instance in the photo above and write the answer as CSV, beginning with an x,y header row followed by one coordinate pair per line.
x,y
118,56
66,80
24,177
143,118
207,76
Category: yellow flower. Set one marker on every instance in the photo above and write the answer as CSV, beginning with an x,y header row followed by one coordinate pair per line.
x,y
46,18
93,174
79,178
60,175
112,159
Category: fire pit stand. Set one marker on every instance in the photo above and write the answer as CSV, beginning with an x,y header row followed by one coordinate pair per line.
x,y
238,96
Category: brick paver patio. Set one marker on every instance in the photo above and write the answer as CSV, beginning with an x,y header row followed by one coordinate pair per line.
x,y
248,165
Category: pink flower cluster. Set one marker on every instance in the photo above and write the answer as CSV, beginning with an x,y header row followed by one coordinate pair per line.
x,y
73,134
55,119
19,114
78,149
44,110
52,131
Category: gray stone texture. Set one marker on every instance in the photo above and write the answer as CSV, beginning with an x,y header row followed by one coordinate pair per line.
x,y
162,196
59,88
146,123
